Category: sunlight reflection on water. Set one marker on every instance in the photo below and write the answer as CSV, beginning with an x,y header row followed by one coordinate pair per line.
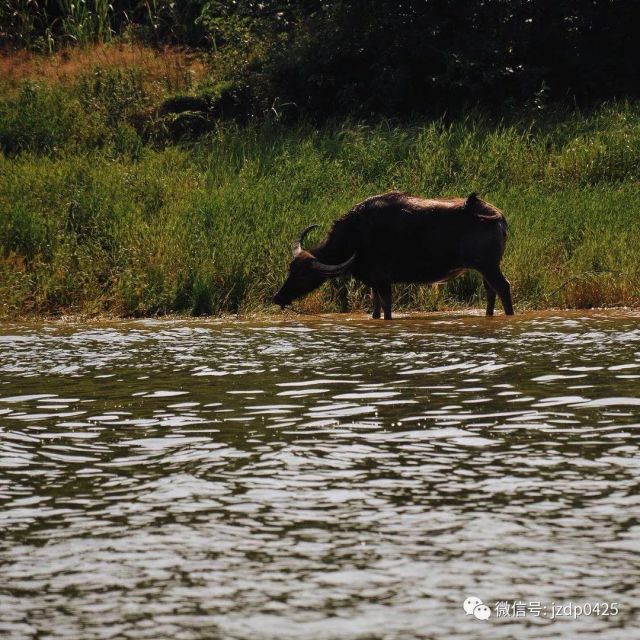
x,y
318,478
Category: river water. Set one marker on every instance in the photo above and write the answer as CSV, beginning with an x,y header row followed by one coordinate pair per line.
x,y
326,477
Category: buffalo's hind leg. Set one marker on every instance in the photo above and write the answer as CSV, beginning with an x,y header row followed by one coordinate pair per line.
x,y
501,286
491,297
377,304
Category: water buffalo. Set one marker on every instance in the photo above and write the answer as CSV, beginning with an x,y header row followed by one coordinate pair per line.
x,y
396,237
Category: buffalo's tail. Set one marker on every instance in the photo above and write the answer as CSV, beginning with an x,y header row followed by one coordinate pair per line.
x,y
482,209
503,227
487,212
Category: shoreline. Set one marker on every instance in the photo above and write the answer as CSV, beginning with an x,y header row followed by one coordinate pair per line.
x,y
292,316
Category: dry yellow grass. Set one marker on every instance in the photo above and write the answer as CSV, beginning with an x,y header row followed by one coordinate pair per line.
x,y
163,69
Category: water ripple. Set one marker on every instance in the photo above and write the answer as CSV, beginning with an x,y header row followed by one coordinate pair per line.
x,y
318,478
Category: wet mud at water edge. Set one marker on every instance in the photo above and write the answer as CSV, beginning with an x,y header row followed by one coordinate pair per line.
x,y
328,477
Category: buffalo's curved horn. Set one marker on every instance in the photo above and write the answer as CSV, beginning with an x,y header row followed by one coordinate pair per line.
x,y
297,245
333,269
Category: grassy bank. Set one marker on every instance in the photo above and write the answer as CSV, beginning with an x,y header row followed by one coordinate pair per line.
x,y
101,215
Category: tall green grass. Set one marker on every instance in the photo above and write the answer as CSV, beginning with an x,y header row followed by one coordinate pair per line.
x,y
50,25
97,216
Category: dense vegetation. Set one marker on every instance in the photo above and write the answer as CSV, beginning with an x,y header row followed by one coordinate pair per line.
x,y
386,57
140,179
96,218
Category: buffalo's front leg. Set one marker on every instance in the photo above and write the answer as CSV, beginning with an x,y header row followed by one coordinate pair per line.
x,y
377,305
384,291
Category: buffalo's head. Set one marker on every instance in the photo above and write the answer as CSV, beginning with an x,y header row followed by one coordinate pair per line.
x,y
306,272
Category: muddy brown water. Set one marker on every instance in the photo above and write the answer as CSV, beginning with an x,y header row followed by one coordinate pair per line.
x,y
327,477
